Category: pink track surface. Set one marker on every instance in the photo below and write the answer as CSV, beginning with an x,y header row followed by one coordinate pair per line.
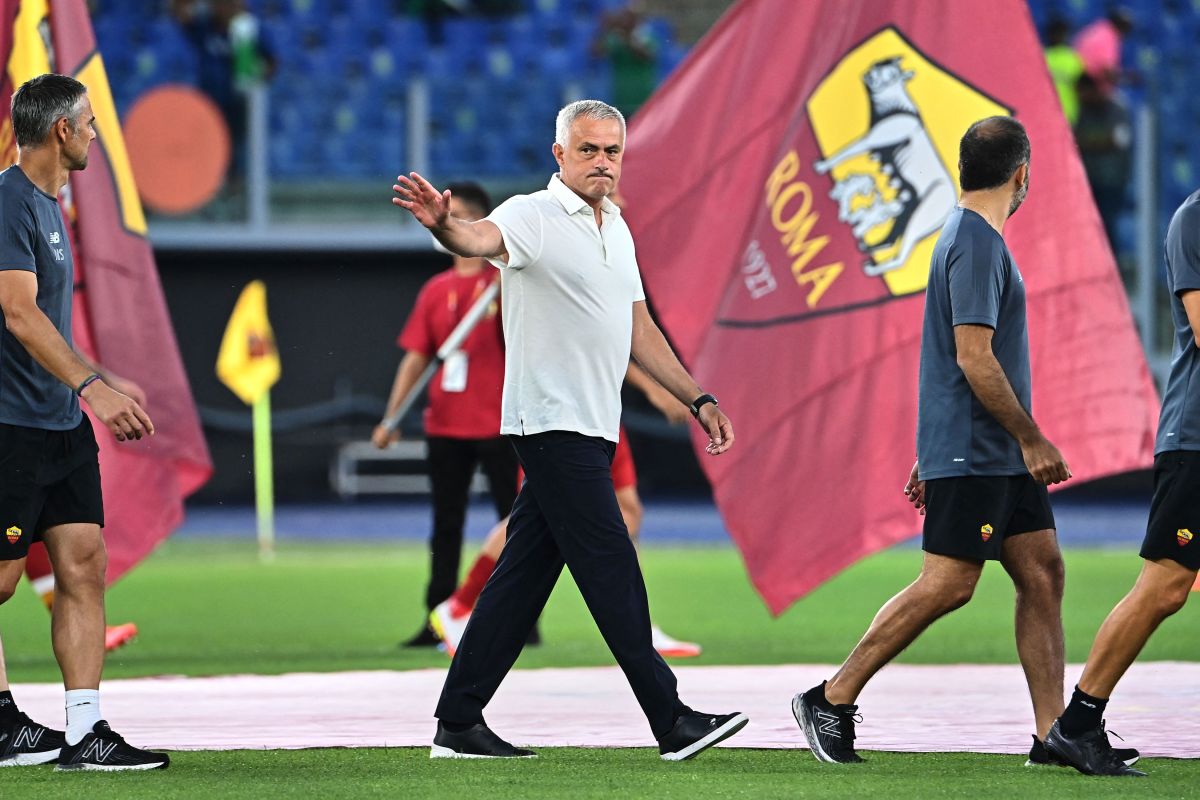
x,y
909,708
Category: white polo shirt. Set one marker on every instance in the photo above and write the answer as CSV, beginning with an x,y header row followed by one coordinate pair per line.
x,y
568,291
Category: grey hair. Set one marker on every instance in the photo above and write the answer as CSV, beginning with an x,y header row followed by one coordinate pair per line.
x,y
42,101
592,109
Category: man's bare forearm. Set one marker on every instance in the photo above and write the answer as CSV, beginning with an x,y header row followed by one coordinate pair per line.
x,y
654,355
995,393
470,239
37,334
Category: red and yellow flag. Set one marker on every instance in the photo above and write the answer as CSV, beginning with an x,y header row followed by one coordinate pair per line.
x,y
120,315
788,253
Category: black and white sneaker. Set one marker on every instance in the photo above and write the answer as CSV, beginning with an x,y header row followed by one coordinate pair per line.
x,y
695,732
478,741
1091,753
103,750
1039,756
828,728
24,743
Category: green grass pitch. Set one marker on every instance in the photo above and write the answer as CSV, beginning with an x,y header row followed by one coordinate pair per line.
x,y
209,607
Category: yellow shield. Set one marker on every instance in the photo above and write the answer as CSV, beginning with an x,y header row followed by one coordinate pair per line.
x,y
887,121
13,534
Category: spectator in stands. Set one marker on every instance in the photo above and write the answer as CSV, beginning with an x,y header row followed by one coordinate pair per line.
x,y
1104,136
1065,66
629,45
1099,45
462,420
235,53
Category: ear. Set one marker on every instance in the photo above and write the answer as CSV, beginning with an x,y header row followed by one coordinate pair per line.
x,y
559,152
1021,176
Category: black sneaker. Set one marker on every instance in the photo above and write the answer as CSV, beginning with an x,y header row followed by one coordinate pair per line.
x,y
24,743
426,637
1039,756
828,728
102,750
478,741
695,732
1091,753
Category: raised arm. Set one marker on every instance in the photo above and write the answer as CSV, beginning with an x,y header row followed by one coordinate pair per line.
x,y
989,383
481,239
37,334
653,354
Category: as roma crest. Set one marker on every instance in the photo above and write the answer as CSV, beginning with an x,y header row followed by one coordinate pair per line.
x,y
861,188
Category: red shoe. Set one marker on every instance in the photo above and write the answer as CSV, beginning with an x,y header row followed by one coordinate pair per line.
x,y
119,635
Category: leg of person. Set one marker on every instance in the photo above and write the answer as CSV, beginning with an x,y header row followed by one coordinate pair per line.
x,y
70,524
499,462
1162,588
451,466
1030,555
570,476
23,742
449,618
952,565
509,605
77,551
41,578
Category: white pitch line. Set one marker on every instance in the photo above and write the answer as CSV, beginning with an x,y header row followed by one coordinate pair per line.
x,y
970,708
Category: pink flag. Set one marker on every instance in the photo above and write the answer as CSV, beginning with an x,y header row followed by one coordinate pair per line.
x,y
786,186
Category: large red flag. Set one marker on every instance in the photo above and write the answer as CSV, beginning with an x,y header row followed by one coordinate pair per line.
x,y
786,187
120,315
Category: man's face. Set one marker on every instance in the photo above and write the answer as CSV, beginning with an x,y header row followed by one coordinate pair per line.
x,y
79,140
590,160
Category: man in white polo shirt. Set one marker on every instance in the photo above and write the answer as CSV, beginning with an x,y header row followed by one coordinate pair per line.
x,y
574,312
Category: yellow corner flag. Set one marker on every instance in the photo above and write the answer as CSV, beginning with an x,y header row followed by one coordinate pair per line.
x,y
248,362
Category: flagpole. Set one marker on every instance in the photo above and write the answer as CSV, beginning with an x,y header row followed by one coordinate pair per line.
x,y
264,489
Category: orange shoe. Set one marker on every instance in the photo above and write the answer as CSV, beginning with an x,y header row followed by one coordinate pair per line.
x,y
119,635
669,647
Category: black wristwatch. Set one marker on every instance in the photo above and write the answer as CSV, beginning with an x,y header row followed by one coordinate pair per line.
x,y
700,401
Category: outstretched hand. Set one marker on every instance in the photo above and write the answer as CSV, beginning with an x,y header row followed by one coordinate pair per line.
x,y
425,203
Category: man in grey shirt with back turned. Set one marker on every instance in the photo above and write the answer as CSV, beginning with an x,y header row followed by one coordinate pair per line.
x,y
982,464
574,312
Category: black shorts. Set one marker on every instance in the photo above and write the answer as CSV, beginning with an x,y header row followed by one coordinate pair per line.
x,y
1174,528
47,478
970,517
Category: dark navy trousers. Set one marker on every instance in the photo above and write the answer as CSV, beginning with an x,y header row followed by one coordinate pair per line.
x,y
566,513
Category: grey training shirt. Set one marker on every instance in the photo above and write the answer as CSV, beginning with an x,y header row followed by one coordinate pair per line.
x,y
1179,423
973,280
35,239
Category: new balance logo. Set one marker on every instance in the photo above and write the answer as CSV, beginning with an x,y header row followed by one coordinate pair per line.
x,y
28,737
98,749
828,724
55,237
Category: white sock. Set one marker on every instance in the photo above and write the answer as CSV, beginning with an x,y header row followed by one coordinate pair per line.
x,y
83,712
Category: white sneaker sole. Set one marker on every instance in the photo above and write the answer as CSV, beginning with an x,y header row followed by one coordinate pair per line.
x,y
719,735
108,767
814,741
437,751
31,759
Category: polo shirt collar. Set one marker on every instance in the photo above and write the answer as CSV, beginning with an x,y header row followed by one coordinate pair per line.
x,y
572,202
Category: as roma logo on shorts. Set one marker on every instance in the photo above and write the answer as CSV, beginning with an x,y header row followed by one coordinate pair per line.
x,y
13,534
985,532
1183,535
887,120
